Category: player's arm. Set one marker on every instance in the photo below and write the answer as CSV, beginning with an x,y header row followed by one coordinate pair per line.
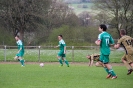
x,y
111,41
20,48
117,45
57,46
91,60
111,44
98,42
64,49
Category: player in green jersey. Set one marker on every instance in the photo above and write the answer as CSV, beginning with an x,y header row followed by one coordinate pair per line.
x,y
62,53
20,52
104,41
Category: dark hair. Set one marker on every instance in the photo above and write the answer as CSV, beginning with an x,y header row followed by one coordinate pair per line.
x,y
123,32
103,26
17,36
60,36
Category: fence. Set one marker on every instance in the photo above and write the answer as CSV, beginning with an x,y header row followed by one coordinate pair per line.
x,y
49,53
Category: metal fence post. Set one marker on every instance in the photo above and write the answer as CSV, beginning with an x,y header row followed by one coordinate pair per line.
x,y
5,53
39,54
72,53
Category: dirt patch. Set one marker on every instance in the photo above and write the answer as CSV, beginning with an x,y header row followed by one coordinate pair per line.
x,y
74,63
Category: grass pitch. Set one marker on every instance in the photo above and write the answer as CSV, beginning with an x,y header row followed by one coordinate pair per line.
x,y
53,76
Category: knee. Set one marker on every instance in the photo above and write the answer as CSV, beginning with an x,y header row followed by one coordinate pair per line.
x,y
15,58
98,64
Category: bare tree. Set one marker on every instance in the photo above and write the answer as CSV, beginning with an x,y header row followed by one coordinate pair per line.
x,y
120,11
23,15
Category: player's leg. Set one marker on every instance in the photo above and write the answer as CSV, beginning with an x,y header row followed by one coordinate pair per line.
x,y
102,63
60,60
21,61
130,70
111,71
21,54
124,60
59,56
129,59
109,67
16,58
99,64
64,57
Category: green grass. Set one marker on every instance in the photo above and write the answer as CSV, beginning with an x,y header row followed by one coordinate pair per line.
x,y
50,55
78,10
52,76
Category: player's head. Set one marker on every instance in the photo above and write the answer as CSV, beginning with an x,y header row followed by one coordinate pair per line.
x,y
60,37
16,37
102,27
88,56
122,32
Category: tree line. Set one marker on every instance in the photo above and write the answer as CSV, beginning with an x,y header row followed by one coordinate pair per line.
x,y
40,21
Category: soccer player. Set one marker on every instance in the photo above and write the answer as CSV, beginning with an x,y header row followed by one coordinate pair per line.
x,y
126,42
20,52
92,58
104,41
62,53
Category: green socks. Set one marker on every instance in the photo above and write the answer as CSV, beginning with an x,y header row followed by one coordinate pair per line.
x,y
112,72
60,60
67,63
106,70
22,62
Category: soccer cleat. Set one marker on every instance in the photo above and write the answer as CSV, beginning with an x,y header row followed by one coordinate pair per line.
x,y
67,65
130,71
22,66
114,77
108,76
61,65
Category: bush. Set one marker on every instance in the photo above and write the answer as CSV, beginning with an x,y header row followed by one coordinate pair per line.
x,y
74,35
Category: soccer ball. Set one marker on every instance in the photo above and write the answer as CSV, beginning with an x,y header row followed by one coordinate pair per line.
x,y
41,64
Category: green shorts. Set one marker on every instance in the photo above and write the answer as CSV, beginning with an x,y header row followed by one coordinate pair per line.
x,y
20,54
104,58
61,54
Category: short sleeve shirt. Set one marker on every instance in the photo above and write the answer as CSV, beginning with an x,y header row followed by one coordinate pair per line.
x,y
106,39
126,41
62,44
20,45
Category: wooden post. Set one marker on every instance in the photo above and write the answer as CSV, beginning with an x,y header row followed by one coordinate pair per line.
x,y
39,54
72,53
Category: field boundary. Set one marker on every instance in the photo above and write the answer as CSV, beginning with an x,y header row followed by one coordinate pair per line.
x,y
71,63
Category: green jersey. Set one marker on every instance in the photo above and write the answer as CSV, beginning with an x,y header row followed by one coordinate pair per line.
x,y
20,45
62,44
106,39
